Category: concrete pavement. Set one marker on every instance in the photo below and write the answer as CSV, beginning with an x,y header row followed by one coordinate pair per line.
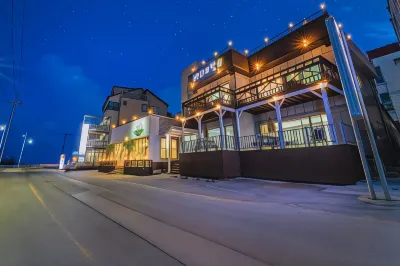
x,y
278,224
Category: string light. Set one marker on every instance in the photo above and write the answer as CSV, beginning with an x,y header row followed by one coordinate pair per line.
x,y
340,25
230,43
266,40
322,6
203,62
246,52
348,36
290,25
215,54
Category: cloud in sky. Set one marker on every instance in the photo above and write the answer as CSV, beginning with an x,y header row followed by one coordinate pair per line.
x,y
380,30
347,8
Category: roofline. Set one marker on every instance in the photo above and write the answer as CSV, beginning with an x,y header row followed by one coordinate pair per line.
x,y
147,90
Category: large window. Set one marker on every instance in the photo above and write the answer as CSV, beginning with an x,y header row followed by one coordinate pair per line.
x,y
173,148
213,132
144,107
112,106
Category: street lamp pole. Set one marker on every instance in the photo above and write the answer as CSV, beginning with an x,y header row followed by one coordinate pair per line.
x,y
22,150
2,128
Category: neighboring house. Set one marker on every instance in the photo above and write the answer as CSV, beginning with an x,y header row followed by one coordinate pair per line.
x,y
394,10
94,137
286,93
128,104
386,60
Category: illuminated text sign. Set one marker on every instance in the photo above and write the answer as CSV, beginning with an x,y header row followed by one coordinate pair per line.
x,y
207,71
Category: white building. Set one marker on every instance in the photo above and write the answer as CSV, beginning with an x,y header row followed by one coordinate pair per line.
x,y
386,60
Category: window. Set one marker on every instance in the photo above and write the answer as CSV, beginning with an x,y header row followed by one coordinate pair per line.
x,y
112,106
143,97
163,154
124,102
213,132
144,107
173,148
155,110
379,78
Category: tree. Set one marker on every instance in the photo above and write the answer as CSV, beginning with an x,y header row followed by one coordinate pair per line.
x,y
129,146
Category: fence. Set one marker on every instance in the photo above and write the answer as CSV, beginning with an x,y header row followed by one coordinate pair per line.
x,y
295,138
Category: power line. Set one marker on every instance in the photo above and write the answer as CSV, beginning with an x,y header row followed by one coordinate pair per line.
x,y
12,47
22,42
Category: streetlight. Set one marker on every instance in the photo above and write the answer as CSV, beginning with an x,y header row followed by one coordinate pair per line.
x,y
30,141
2,128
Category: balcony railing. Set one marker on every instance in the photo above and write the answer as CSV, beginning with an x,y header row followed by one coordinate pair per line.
x,y
209,99
290,79
95,143
99,128
294,138
208,144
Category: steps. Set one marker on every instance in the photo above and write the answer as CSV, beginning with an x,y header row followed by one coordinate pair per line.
x,y
175,167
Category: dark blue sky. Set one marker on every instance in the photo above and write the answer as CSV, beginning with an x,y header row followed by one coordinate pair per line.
x,y
74,51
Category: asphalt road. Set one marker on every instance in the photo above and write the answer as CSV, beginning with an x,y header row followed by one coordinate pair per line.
x,y
41,225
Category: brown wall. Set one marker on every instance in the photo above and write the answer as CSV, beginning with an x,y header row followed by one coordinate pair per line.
x,y
338,164
215,164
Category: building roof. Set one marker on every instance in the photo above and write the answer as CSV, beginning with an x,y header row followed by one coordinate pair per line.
x,y
384,50
145,91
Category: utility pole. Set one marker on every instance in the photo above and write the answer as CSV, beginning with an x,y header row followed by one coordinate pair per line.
x,y
15,102
65,137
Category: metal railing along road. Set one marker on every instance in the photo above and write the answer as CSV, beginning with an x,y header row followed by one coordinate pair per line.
x,y
312,136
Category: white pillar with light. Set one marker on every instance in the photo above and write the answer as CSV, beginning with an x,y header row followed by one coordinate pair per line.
x,y
198,119
355,103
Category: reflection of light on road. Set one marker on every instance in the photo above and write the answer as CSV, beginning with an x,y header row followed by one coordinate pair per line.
x,y
84,251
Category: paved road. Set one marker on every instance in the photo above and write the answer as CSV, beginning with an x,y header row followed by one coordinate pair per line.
x,y
224,223
41,225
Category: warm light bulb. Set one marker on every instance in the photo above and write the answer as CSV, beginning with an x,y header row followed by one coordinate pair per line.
x,y
113,126
290,25
265,39
230,43
218,106
193,69
322,6
348,36
203,62
215,53
340,25
246,52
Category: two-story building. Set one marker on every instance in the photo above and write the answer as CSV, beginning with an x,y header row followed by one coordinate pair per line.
x,y
252,107
128,104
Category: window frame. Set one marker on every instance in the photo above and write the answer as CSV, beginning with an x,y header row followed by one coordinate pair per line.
x,y
144,109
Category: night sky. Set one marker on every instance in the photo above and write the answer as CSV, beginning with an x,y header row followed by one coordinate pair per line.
x,y
74,51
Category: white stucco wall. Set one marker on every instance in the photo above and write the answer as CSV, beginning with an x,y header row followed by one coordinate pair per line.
x,y
391,74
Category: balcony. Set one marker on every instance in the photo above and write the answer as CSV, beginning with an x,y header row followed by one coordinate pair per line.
x,y
209,99
297,77
96,143
314,136
99,128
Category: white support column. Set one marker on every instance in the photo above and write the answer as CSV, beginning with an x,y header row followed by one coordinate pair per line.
x,y
331,123
280,128
183,120
167,144
199,125
237,114
221,128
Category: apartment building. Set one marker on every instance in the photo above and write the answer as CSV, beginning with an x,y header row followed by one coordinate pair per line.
x,y
386,60
253,107
128,104
93,138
